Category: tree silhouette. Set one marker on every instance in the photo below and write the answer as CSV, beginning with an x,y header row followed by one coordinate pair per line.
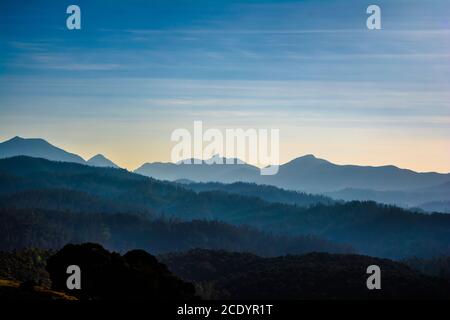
x,y
106,275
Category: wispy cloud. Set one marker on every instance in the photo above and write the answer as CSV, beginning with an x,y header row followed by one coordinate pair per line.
x,y
68,62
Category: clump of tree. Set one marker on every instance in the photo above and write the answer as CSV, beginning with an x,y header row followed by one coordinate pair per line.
x,y
26,265
109,275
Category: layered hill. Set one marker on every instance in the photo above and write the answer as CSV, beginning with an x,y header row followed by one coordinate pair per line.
x,y
306,173
368,227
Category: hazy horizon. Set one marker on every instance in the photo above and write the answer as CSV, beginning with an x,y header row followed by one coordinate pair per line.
x,y
133,74
87,157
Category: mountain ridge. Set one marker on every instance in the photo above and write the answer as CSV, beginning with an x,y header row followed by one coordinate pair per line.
x,y
306,173
41,148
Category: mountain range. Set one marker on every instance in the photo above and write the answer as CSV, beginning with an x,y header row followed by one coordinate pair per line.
x,y
306,173
386,184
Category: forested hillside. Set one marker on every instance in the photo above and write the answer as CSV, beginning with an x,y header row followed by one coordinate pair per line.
x,y
370,228
122,232
226,275
264,192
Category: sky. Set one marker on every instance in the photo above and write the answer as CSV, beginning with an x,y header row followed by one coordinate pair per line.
x,y
138,70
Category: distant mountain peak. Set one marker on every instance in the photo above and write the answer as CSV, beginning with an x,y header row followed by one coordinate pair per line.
x,y
308,159
37,148
100,160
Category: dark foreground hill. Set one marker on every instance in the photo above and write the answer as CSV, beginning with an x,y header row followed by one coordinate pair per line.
x,y
216,275
11,290
109,275
225,275
104,275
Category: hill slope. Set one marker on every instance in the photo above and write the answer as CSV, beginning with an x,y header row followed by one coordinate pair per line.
x,y
121,232
263,192
226,275
431,199
11,290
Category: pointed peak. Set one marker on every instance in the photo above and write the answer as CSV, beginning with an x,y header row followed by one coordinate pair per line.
x,y
100,160
15,139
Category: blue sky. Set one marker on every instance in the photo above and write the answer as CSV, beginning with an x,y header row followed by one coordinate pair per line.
x,y
137,70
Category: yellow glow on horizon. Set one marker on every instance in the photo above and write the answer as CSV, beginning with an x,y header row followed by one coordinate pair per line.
x,y
133,147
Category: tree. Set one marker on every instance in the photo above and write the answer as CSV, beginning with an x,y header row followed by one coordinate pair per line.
x,y
106,275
